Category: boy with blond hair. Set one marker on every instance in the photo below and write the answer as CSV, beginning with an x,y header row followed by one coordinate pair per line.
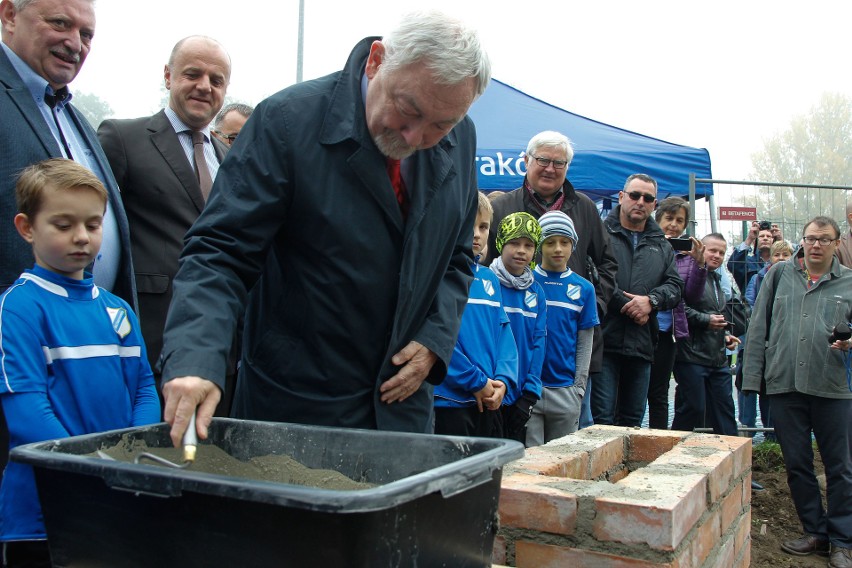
x,y
485,359
72,353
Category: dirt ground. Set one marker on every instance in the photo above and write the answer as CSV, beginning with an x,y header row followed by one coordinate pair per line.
x,y
774,509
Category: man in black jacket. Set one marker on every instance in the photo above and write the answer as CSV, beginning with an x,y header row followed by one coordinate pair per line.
x,y
701,366
647,281
546,188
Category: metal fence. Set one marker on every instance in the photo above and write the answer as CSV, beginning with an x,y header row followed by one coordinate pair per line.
x,y
791,205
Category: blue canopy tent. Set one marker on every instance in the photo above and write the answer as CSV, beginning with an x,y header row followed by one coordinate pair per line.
x,y
604,155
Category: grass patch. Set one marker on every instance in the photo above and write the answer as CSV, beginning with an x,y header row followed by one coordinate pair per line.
x,y
766,456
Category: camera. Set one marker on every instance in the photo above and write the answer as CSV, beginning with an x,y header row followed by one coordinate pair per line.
x,y
764,226
842,332
681,244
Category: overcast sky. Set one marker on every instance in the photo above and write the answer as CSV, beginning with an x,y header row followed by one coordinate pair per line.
x,y
722,75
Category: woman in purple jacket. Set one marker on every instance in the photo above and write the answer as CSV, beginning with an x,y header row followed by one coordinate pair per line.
x,y
672,216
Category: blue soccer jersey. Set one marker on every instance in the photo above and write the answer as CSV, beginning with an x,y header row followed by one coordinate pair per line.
x,y
571,306
73,362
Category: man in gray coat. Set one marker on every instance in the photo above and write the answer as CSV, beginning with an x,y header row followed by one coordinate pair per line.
x,y
807,381
342,220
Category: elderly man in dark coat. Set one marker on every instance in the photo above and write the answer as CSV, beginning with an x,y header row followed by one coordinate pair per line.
x,y
354,267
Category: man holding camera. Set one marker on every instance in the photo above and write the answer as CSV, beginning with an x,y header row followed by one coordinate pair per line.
x,y
790,344
751,255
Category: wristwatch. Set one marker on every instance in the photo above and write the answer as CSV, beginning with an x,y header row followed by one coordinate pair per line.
x,y
655,302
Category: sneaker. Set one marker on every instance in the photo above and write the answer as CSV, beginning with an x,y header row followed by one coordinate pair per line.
x,y
840,557
755,486
806,545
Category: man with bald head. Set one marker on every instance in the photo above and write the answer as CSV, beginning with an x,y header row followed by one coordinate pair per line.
x,y
165,165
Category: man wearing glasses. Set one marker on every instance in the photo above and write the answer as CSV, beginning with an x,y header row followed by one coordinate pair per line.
x,y
646,281
546,188
230,121
790,344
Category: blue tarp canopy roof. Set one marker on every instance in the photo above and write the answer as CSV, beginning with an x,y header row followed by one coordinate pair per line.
x,y
604,155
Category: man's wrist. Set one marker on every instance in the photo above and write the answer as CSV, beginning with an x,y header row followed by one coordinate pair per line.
x,y
654,300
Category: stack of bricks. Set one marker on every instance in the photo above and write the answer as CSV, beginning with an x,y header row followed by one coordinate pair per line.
x,y
610,497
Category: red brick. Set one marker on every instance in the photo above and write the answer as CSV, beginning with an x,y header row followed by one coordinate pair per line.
x,y
546,461
727,552
605,457
732,507
706,537
648,445
742,538
536,555
656,509
717,463
498,553
527,505
740,447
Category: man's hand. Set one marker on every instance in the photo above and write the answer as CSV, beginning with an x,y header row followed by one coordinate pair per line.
x,y
697,251
717,321
731,342
416,362
752,233
484,392
777,235
495,400
638,308
842,345
182,396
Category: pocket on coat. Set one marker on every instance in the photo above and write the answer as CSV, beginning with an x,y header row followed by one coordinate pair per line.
x,y
833,311
152,283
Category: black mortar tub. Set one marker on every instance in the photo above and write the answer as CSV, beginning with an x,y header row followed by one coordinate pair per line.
x,y
434,502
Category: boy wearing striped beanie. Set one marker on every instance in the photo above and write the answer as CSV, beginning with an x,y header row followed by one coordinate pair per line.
x,y
571,317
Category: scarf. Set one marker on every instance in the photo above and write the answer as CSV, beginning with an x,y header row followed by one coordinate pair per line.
x,y
508,279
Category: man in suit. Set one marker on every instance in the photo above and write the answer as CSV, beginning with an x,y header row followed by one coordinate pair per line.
x,y
44,45
154,160
342,224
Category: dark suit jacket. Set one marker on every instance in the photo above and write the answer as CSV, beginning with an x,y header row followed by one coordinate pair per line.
x,y
27,139
162,198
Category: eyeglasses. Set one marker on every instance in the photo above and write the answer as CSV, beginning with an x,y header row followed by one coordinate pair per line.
x,y
637,195
229,137
544,162
824,242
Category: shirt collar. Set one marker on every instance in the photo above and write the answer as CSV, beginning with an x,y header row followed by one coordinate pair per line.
x,y
180,126
35,83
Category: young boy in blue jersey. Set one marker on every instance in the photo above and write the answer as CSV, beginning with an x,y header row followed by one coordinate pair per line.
x,y
571,317
485,359
73,357
523,300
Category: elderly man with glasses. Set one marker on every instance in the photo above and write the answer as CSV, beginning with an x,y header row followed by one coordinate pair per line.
x,y
791,344
646,282
545,188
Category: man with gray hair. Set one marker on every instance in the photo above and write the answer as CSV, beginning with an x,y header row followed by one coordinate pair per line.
x,y
546,188
44,45
230,121
342,225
